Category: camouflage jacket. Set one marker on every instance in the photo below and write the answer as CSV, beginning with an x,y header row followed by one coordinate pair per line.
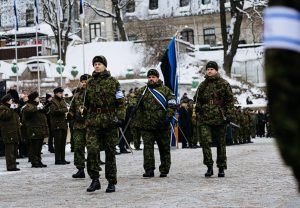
x,y
150,113
35,121
58,110
104,100
76,105
9,124
214,101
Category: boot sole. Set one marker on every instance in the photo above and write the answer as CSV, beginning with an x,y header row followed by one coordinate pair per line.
x,y
93,190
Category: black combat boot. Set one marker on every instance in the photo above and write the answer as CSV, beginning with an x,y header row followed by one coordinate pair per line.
x,y
163,175
149,174
95,185
79,174
209,172
110,188
221,172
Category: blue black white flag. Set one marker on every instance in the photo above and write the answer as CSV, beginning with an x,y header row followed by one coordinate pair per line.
x,y
81,8
169,70
36,11
16,15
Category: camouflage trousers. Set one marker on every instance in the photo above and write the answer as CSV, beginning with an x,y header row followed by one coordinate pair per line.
x,y
79,147
107,137
163,142
136,134
208,132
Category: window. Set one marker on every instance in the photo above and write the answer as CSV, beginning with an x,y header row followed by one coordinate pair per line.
x,y
130,7
188,35
209,36
206,1
29,17
95,30
184,3
153,4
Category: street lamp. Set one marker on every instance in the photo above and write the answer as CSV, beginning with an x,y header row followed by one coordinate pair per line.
x,y
15,70
60,69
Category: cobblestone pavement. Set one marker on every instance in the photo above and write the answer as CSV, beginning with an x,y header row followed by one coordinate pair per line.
x,y
256,177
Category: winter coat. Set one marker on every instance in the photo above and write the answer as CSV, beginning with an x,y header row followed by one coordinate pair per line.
x,y
78,117
104,100
58,110
9,124
214,101
35,121
151,114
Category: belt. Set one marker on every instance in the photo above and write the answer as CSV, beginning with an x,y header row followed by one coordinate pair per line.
x,y
103,110
215,102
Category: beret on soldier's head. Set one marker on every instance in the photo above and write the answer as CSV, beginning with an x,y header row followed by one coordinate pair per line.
x,y
57,90
212,64
33,95
6,98
153,72
48,96
85,77
100,59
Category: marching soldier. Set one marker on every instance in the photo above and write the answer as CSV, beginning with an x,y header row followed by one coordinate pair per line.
x,y
214,103
10,131
35,121
156,110
58,110
105,114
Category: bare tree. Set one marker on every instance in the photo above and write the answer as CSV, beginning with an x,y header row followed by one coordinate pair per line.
x,y
53,15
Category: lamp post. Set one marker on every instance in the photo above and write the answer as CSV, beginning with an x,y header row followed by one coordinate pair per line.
x,y
15,70
60,69
74,72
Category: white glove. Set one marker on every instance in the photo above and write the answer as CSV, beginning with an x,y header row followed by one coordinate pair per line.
x,y
13,106
40,106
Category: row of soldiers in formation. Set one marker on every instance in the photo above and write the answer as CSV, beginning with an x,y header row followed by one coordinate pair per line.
x,y
98,110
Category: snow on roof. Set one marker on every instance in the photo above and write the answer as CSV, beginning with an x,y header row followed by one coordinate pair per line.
x,y
44,28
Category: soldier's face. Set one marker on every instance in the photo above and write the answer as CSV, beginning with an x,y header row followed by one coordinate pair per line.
x,y
59,94
152,79
83,84
211,72
99,67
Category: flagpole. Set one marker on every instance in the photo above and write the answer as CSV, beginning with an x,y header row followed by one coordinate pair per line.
x,y
16,57
37,47
59,47
83,41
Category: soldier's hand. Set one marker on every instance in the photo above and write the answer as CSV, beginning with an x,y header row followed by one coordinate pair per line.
x,y
119,123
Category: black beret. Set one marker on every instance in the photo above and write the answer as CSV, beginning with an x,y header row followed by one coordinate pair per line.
x,y
48,96
100,59
6,98
33,95
85,77
153,72
57,90
212,64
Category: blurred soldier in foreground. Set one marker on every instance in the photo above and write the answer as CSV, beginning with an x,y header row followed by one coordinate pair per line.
x,y
105,114
215,105
282,37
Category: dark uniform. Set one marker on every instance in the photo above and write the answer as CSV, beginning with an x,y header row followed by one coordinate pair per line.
x,y
10,132
34,118
105,112
155,124
214,103
59,126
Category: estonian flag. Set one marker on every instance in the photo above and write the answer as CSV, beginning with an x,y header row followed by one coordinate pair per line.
x,y
36,11
16,15
169,70
81,9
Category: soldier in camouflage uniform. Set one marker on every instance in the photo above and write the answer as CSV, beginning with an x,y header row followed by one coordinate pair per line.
x,y
156,109
77,113
58,110
214,103
105,114
10,131
35,121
